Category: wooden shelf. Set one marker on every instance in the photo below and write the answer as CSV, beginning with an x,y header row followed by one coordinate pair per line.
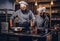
x,y
55,18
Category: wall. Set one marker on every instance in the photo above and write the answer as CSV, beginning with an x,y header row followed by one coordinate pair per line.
x,y
7,4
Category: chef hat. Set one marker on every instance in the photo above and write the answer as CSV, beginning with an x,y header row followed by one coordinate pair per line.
x,y
23,3
44,9
41,9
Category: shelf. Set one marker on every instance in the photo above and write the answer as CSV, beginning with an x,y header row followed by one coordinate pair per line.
x,y
41,0
55,18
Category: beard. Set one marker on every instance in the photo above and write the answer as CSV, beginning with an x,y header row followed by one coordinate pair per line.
x,y
42,15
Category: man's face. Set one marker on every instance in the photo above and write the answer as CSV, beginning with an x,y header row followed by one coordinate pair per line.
x,y
40,13
23,8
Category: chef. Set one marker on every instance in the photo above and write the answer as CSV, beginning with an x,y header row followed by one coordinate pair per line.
x,y
25,17
41,19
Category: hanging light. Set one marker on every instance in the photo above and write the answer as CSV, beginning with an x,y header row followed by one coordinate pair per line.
x,y
36,3
16,0
51,2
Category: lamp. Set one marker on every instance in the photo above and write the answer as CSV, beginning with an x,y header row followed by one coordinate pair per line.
x,y
51,2
36,2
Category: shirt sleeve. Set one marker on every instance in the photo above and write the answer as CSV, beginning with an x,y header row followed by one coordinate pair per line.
x,y
46,21
32,17
14,15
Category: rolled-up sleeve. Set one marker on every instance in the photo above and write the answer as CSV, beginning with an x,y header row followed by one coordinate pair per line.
x,y
13,15
46,21
32,17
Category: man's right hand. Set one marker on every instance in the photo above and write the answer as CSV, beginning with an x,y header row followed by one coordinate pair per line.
x,y
11,23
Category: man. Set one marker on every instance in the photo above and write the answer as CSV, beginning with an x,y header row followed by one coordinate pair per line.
x,y
41,19
23,16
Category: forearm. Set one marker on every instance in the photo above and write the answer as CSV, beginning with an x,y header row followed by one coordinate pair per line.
x,y
11,23
32,23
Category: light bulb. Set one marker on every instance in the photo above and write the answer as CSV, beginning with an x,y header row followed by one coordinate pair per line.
x,y
35,3
51,2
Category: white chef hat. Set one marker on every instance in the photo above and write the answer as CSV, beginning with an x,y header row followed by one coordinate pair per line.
x,y
44,9
41,9
23,3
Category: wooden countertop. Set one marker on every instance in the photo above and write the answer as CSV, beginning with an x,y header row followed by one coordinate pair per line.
x,y
21,34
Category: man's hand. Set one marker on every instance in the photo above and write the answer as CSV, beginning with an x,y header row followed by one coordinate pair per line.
x,y
11,23
31,23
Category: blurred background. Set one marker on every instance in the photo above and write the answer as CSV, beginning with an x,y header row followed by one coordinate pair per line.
x,y
8,7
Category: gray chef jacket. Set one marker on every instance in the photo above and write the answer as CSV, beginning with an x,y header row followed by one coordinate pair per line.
x,y
41,22
23,17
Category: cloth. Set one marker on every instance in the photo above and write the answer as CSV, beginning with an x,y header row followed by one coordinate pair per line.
x,y
41,21
23,17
